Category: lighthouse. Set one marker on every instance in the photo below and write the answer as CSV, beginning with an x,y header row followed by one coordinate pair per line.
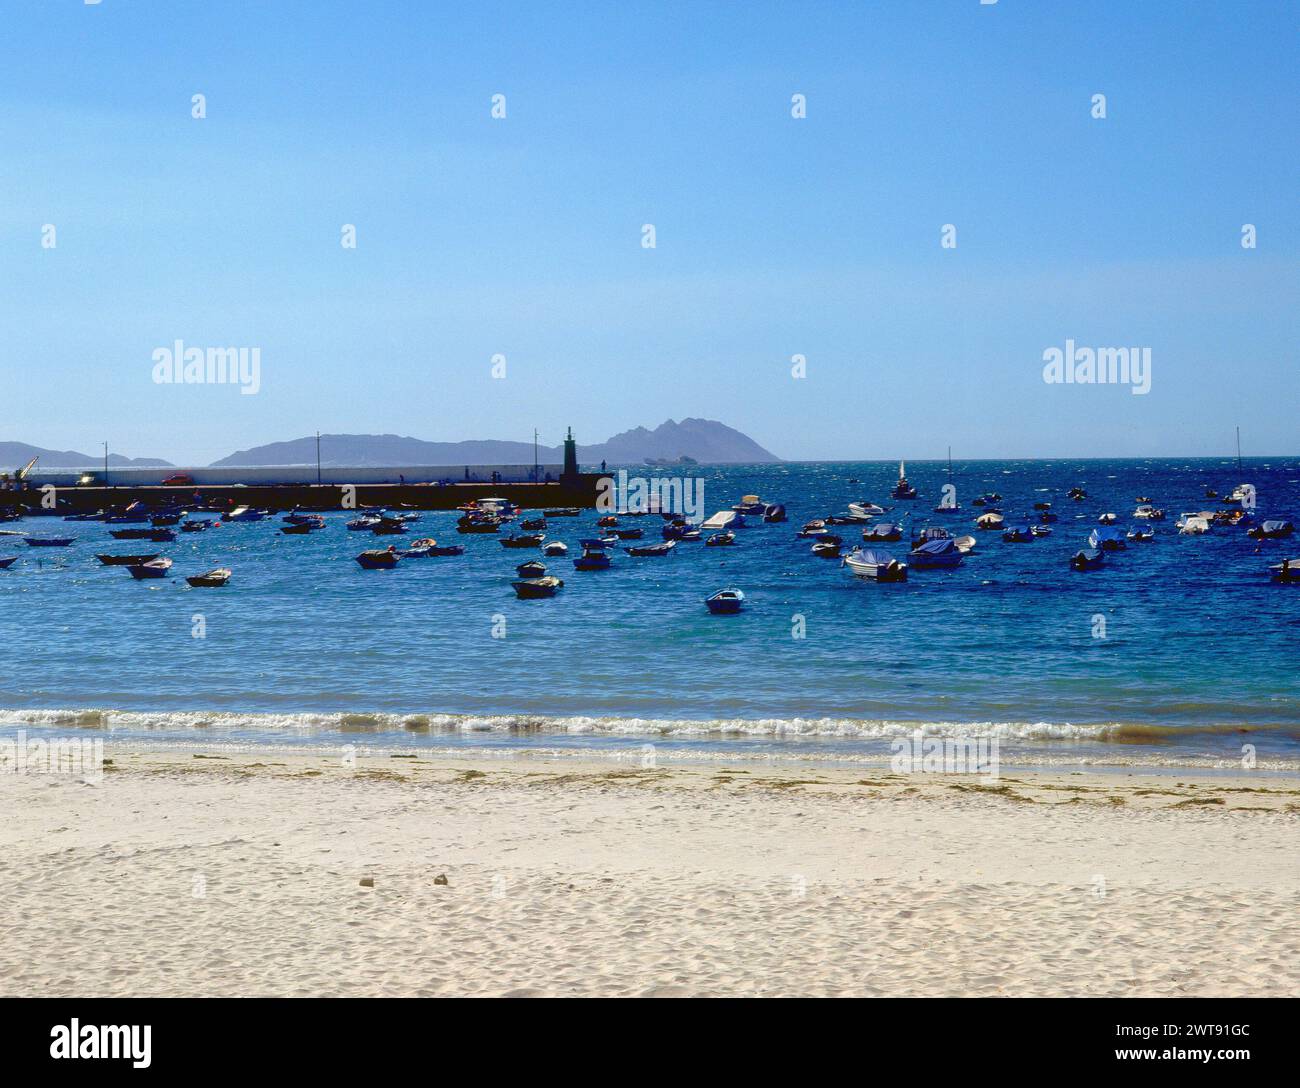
x,y
569,477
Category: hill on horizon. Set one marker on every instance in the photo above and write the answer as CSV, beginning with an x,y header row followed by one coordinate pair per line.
x,y
702,440
13,455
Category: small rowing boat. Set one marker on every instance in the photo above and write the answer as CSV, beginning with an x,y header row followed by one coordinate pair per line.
x,y
533,588
212,579
379,560
155,568
726,602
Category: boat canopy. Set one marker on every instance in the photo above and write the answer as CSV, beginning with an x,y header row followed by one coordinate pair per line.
x,y
936,547
874,557
1106,533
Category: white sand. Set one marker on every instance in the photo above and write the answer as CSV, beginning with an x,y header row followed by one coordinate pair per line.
x,y
574,878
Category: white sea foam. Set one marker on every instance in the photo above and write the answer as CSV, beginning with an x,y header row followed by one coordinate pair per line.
x,y
376,722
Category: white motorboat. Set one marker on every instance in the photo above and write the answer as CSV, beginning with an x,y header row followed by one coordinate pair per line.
x,y
877,565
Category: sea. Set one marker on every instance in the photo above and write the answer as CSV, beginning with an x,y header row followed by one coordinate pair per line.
x,y
1177,653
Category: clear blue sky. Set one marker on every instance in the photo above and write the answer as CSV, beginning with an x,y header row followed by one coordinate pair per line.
x,y
775,236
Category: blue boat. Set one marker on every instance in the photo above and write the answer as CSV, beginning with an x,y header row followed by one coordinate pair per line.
x,y
592,558
1018,534
1107,539
1088,559
935,554
726,602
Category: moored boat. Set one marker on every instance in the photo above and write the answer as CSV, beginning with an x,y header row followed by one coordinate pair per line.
x,y
1193,524
723,519
212,579
8,561
592,559
126,560
1106,539
879,566
866,509
929,533
555,548
1141,536
902,489
533,588
1087,559
523,540
48,541
533,568
989,522
478,525
935,555
155,568
1287,572
311,523
653,549
377,559
721,540
1271,530
245,513
886,531
827,548
725,602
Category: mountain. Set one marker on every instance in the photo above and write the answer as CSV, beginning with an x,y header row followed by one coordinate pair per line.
x,y
701,440
13,455
386,449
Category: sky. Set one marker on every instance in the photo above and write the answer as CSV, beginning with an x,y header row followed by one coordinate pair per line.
x,y
775,236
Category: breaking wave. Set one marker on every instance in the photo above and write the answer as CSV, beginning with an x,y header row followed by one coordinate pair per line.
x,y
269,724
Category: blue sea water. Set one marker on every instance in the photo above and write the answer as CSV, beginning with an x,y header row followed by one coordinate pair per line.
x,y
305,645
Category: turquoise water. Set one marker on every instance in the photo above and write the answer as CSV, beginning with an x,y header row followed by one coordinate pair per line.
x,y
303,644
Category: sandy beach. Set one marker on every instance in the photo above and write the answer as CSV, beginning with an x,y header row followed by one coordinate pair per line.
x,y
203,872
